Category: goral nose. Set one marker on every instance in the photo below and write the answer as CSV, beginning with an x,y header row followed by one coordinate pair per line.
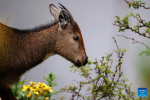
x,y
85,61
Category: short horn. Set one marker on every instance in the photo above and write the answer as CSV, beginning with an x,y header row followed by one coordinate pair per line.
x,y
70,16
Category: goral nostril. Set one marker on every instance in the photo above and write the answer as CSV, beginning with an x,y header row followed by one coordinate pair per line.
x,y
85,61
78,63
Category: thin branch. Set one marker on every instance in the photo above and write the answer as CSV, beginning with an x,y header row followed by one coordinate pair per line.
x,y
26,75
120,73
117,46
140,21
134,41
137,4
129,94
115,43
128,27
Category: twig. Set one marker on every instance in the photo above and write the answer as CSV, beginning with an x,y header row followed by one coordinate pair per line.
x,y
26,75
120,73
134,41
137,4
128,27
7,19
140,21
117,46
129,94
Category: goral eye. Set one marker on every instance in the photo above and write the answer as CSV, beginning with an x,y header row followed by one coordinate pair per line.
x,y
76,38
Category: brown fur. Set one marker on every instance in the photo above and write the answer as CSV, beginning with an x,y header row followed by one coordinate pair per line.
x,y
21,50
79,31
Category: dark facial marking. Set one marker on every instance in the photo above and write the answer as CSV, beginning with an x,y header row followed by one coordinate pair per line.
x,y
79,31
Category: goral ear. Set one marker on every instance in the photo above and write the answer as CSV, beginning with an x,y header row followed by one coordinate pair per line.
x,y
63,18
54,12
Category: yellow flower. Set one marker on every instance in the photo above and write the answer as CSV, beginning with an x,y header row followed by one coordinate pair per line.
x,y
44,88
37,88
29,94
35,92
40,90
46,98
25,87
24,90
33,86
50,90
44,84
39,84
31,89
33,83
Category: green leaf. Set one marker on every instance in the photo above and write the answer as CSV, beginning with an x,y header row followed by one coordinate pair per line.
x,y
71,70
129,4
135,27
108,71
120,50
116,39
148,30
142,3
120,62
148,23
125,50
102,67
137,14
146,52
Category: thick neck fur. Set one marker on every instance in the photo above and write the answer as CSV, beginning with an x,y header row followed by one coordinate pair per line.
x,y
24,49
